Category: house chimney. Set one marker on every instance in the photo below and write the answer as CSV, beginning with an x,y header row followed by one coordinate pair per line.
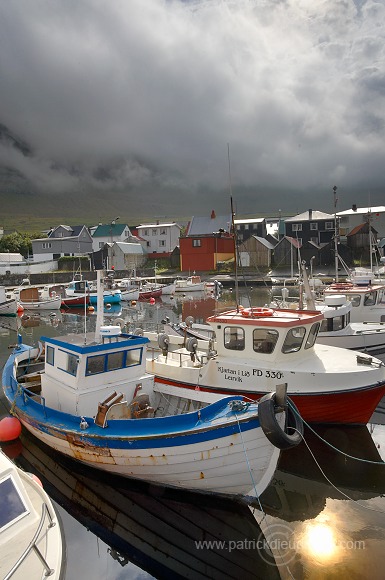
x,y
213,216
310,214
354,207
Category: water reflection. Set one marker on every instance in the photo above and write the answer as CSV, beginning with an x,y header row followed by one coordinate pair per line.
x,y
325,510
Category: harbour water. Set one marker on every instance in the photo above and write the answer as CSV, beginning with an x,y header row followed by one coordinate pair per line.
x,y
323,515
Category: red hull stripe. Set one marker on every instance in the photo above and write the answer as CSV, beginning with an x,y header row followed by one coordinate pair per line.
x,y
352,407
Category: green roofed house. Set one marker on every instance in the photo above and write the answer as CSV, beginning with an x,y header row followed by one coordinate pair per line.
x,y
110,233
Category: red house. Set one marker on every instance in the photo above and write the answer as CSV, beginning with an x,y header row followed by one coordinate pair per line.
x,y
208,241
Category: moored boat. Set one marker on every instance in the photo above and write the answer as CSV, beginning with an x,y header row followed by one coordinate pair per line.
x,y
189,284
256,348
366,294
31,539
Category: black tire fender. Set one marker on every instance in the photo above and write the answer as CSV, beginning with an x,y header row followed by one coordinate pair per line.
x,y
293,432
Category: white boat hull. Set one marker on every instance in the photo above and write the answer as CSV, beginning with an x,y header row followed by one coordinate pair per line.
x,y
241,465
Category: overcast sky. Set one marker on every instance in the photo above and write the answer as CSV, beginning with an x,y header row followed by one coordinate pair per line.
x,y
140,95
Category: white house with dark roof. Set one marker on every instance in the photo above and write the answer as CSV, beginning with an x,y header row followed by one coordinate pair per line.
x,y
160,239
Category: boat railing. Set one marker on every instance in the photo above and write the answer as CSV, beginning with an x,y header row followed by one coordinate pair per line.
x,y
32,546
183,359
26,393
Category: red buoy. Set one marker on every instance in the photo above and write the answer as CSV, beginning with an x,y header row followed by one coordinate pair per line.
x,y
10,428
152,300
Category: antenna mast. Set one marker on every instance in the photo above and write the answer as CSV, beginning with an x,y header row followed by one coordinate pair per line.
x,y
335,232
234,234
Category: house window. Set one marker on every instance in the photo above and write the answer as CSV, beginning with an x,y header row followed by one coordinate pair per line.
x,y
148,244
314,226
154,232
196,243
162,243
238,227
145,233
299,240
296,227
46,245
329,226
163,232
101,244
246,226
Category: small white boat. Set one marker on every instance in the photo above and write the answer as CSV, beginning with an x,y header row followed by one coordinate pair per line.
x,y
31,539
8,306
129,292
29,298
190,284
92,399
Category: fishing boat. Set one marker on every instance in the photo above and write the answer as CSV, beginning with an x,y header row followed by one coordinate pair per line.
x,y
91,398
80,299
111,294
189,284
336,329
366,295
29,298
31,539
257,347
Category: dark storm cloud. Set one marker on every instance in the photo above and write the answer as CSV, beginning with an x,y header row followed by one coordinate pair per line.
x,y
130,95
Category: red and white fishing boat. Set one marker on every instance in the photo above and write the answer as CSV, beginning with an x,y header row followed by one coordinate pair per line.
x,y
257,348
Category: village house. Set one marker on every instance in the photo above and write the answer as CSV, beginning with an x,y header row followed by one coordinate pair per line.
x,y
109,233
208,242
351,218
62,241
160,239
245,228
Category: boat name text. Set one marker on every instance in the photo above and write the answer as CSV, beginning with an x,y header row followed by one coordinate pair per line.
x,y
240,374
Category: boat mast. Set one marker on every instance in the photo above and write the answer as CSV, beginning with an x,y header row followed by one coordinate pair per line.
x,y
335,233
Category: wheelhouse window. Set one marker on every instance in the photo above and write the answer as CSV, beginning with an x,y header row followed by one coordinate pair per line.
x,y
370,298
312,335
112,361
50,355
115,361
234,338
355,299
294,339
72,364
264,340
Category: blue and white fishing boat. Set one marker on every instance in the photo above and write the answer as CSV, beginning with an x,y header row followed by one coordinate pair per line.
x,y
111,295
90,397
